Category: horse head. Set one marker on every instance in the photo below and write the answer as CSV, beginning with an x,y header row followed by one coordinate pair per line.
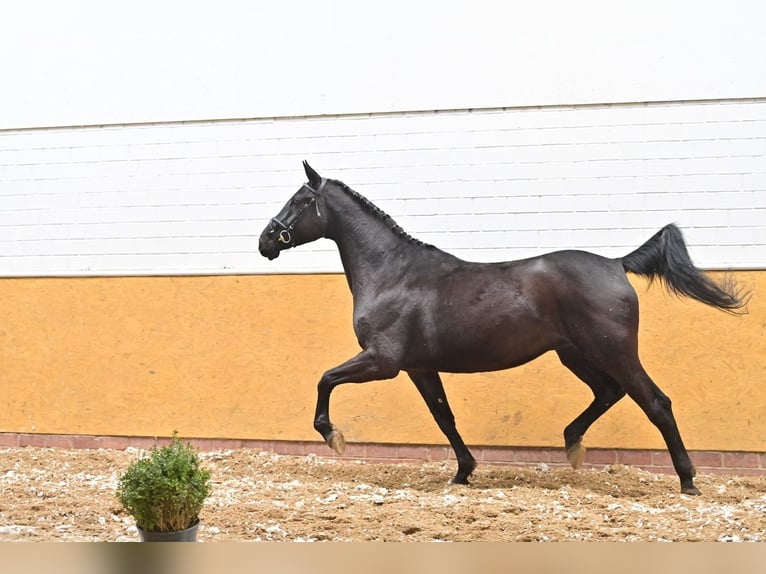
x,y
299,221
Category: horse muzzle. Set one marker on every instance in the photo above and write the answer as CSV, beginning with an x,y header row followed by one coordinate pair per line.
x,y
268,248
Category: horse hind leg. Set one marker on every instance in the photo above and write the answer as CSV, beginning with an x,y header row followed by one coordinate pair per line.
x,y
606,392
657,407
623,366
430,386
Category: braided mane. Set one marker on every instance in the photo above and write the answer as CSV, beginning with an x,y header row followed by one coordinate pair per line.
x,y
381,215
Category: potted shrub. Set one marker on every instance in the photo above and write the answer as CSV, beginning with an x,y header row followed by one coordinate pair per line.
x,y
165,491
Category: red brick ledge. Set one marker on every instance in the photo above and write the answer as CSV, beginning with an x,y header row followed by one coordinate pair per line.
x,y
719,462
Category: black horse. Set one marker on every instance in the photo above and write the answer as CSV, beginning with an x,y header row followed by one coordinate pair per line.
x,y
420,310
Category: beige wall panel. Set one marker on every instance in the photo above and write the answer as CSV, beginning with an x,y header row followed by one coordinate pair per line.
x,y
240,356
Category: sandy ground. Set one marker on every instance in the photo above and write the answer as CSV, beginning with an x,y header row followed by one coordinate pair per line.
x,y
68,495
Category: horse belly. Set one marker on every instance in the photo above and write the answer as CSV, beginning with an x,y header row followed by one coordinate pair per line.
x,y
492,346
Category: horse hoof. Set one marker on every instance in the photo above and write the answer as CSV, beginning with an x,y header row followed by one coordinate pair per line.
x,y
576,454
693,490
336,441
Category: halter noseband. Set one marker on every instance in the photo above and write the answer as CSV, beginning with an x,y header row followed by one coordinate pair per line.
x,y
284,235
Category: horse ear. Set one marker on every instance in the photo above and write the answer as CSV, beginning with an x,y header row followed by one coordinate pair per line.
x,y
314,178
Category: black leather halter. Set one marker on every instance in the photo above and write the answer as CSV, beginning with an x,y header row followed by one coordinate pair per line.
x,y
286,227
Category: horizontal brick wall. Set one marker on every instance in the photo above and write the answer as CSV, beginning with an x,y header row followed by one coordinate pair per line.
x,y
723,462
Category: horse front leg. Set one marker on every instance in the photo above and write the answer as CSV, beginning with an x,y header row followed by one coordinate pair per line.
x,y
432,390
366,366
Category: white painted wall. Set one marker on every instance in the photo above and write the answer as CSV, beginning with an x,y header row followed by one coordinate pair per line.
x,y
542,125
89,62
497,184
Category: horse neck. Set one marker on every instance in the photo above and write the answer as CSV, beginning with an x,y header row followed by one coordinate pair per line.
x,y
366,242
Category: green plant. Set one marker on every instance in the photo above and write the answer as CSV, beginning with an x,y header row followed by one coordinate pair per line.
x,y
166,490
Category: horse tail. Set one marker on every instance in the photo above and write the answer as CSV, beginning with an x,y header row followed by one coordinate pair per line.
x,y
666,258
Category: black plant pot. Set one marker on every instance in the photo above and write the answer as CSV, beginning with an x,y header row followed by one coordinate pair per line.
x,y
186,535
